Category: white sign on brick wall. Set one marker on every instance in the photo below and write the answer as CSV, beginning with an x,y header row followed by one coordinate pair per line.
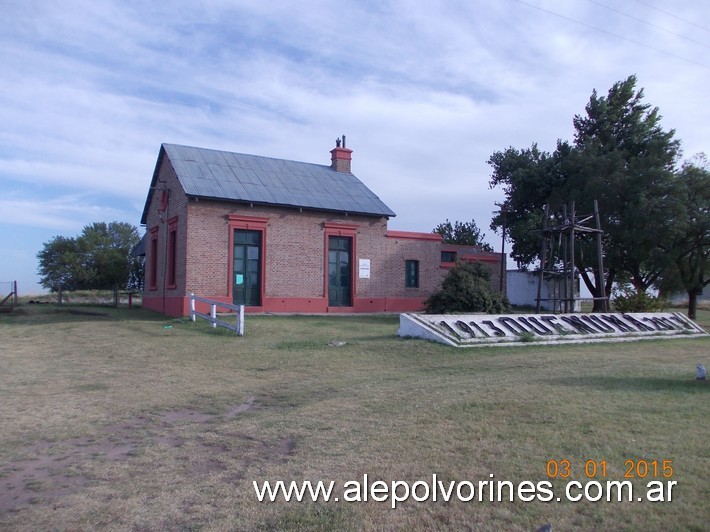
x,y
468,330
364,269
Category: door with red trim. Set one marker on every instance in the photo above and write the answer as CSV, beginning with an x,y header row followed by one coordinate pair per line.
x,y
340,271
247,268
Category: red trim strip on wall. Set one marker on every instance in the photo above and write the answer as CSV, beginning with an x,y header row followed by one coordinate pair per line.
x,y
411,235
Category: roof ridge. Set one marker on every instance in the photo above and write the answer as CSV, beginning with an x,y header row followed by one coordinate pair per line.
x,y
248,155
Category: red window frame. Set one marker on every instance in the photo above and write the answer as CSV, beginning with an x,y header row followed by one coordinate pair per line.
x,y
172,252
153,272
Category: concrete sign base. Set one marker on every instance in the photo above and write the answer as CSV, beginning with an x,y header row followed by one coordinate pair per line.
x,y
469,330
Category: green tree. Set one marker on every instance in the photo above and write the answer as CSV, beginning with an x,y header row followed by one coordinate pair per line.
x,y
99,258
462,233
466,288
108,260
621,157
60,265
530,179
625,160
686,257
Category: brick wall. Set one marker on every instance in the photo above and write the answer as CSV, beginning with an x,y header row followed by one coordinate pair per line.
x,y
402,248
168,204
294,249
426,248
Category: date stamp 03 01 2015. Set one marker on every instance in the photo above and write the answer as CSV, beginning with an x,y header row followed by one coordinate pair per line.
x,y
639,469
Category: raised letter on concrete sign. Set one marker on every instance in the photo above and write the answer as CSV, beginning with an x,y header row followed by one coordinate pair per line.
x,y
496,330
552,321
616,322
535,325
578,324
450,328
512,325
466,328
639,325
478,327
599,324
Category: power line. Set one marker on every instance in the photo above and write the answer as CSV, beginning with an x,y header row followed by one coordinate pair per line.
x,y
602,30
648,23
674,16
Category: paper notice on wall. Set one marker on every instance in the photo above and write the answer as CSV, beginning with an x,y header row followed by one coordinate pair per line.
x,y
364,269
239,279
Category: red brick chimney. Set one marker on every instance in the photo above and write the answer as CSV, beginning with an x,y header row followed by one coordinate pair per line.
x,y
340,157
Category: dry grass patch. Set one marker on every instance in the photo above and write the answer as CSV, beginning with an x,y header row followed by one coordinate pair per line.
x,y
115,421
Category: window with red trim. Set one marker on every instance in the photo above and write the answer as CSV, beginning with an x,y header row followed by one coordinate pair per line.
x,y
153,272
172,253
448,256
411,273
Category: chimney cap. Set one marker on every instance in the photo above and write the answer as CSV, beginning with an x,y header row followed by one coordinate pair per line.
x,y
338,141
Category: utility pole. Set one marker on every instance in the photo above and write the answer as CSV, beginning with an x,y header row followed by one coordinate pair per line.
x,y
504,213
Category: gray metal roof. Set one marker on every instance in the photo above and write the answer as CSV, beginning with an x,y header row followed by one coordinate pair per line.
x,y
263,180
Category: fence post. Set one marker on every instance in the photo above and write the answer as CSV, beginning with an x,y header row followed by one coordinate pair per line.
x,y
240,321
238,326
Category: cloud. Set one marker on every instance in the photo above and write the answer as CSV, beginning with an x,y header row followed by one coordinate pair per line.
x,y
64,214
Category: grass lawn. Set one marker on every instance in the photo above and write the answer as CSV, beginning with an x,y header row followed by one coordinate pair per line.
x,y
117,419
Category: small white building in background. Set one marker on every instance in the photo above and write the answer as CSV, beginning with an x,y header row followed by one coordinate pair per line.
x,y
522,291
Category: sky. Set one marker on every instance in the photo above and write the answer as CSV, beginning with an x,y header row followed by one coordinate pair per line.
x,y
425,93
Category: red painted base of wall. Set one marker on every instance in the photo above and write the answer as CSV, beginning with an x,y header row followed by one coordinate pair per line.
x,y
180,306
320,305
171,306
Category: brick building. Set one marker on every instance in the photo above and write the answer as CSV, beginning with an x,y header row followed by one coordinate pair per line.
x,y
283,236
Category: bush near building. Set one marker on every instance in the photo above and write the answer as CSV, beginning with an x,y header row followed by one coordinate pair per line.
x,y
466,288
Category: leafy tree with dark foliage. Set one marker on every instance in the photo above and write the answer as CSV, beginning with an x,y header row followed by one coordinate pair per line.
x,y
466,288
99,258
60,265
621,157
109,261
462,233
686,257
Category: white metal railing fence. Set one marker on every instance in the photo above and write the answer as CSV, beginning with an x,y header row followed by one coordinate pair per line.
x,y
237,326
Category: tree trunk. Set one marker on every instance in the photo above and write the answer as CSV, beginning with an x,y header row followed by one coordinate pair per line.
x,y
597,292
693,303
59,296
637,283
602,305
594,289
115,296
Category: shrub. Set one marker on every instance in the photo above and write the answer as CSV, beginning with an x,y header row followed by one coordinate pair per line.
x,y
629,299
466,288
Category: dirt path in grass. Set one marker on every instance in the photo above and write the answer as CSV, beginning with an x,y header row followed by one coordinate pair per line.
x,y
60,468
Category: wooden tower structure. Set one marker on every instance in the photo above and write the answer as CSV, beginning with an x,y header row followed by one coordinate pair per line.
x,y
572,227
